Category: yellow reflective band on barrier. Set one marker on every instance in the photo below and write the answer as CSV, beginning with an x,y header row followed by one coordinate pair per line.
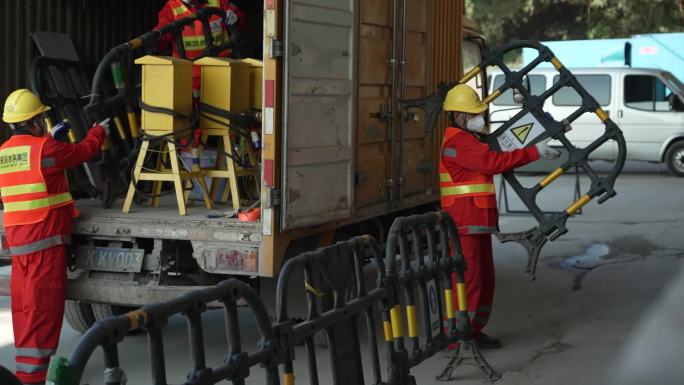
x,y
412,321
556,63
461,292
470,74
491,97
551,177
467,189
288,379
15,159
397,326
37,203
449,301
135,43
23,189
120,128
133,124
134,318
603,115
313,290
578,204
444,177
387,326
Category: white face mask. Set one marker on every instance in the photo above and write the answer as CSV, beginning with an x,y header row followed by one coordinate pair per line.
x,y
476,124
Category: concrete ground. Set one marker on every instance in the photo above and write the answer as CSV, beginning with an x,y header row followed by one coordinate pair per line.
x,y
598,306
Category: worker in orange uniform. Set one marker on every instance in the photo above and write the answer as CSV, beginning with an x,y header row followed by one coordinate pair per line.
x,y
193,35
37,213
467,168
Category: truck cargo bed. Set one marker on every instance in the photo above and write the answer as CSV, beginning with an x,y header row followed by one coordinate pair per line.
x,y
163,222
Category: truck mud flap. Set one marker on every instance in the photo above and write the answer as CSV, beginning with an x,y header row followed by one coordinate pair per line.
x,y
539,126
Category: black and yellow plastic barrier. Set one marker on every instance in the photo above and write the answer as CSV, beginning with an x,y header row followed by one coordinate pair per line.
x,y
550,225
413,290
430,263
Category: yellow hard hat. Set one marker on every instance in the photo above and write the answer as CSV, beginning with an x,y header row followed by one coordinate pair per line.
x,y
463,98
21,106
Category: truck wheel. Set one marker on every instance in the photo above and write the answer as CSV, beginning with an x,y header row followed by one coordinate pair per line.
x,y
79,315
674,159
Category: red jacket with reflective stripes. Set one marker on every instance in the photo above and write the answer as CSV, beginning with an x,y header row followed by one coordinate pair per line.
x,y
172,12
25,196
58,220
470,165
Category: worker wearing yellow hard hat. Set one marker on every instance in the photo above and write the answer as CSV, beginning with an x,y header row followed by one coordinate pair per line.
x,y
37,212
467,166
21,107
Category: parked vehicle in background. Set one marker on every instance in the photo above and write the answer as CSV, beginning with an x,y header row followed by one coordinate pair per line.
x,y
647,104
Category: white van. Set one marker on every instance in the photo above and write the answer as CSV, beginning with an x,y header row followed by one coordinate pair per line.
x,y
647,104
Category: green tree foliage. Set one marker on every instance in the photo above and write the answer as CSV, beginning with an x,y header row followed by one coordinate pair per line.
x,y
504,20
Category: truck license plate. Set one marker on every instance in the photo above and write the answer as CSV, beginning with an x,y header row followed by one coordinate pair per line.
x,y
110,259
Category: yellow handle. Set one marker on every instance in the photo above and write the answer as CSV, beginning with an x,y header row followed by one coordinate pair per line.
x,y
551,177
491,97
603,115
578,204
470,74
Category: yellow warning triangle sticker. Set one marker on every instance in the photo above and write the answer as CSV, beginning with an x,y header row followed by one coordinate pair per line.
x,y
522,132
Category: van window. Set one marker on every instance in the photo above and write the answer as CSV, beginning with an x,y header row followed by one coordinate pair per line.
x,y
597,86
537,85
647,92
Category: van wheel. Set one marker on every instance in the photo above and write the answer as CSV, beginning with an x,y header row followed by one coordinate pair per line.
x,y
674,159
79,315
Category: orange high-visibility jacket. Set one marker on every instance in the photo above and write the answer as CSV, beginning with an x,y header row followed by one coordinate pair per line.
x,y
29,230
466,171
193,35
25,196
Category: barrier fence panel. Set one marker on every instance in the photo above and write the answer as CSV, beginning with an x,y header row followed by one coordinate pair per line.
x,y
337,268
152,319
532,125
423,263
414,286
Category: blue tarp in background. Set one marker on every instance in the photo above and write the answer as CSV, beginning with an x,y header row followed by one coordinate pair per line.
x,y
658,50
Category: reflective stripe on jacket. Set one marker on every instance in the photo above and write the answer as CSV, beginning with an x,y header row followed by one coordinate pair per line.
x,y
466,168
25,196
193,35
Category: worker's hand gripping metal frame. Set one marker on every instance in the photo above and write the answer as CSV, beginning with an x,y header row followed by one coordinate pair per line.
x,y
551,226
